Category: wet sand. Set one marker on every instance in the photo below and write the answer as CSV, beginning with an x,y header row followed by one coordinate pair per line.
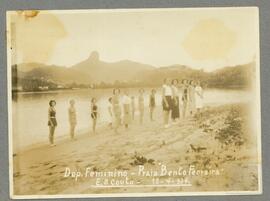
x,y
219,140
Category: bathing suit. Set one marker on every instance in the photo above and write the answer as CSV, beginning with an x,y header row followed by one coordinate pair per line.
x,y
94,112
52,117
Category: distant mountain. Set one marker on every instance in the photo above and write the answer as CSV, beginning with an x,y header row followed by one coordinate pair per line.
x,y
54,73
26,67
130,73
241,75
124,70
180,72
227,77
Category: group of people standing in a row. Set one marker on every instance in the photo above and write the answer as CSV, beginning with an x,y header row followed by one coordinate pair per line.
x,y
122,108
185,98
178,99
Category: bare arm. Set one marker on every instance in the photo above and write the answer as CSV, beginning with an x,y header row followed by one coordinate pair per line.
x,y
199,92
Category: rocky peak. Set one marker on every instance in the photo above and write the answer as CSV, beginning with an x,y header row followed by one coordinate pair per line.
x,y
94,57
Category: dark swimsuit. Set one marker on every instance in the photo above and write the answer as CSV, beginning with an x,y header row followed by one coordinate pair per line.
x,y
52,115
152,101
94,112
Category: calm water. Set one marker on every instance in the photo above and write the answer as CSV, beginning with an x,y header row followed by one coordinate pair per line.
x,y
30,110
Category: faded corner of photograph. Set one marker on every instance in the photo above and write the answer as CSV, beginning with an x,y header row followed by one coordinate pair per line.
x,y
132,102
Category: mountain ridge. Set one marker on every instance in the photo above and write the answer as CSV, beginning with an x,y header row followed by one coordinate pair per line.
x,y
93,70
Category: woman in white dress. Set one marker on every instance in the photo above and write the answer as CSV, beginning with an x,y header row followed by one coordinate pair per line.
x,y
198,97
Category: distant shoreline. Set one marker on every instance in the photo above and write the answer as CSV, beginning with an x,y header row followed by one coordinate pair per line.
x,y
234,87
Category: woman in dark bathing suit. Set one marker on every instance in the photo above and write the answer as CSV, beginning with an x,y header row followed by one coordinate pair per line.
x,y
94,114
185,97
52,123
152,103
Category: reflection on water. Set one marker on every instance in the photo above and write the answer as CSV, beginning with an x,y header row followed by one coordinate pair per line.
x,y
30,110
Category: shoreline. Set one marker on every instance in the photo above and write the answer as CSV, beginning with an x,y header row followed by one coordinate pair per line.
x,y
192,141
244,88
65,137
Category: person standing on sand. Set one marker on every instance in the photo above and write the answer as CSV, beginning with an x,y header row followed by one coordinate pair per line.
x,y
72,118
52,123
126,108
175,106
116,109
152,103
110,113
191,93
198,97
185,96
180,95
133,107
94,114
141,104
166,101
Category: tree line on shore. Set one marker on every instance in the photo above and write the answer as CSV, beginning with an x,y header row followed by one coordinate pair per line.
x,y
229,77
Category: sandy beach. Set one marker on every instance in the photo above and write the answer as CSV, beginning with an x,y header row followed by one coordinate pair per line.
x,y
219,142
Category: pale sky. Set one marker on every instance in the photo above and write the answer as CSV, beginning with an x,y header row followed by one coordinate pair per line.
x,y
200,38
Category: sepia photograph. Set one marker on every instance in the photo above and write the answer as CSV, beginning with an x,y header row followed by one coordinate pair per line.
x,y
134,102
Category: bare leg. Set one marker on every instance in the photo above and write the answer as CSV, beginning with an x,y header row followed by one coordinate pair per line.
x,y
166,117
110,125
51,135
117,123
72,131
94,125
184,109
141,116
151,113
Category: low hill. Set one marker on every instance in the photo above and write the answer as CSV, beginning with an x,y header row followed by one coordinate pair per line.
x,y
53,73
